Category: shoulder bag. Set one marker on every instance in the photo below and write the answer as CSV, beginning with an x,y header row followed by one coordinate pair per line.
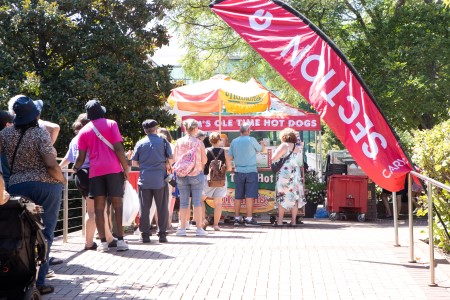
x,y
101,137
169,178
276,166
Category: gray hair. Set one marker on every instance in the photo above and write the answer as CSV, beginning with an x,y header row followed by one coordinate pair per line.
x,y
151,130
244,127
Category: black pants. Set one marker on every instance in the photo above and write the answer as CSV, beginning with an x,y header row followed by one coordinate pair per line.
x,y
161,200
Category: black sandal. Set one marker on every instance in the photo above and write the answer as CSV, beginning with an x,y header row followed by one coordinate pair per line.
x,y
93,247
45,289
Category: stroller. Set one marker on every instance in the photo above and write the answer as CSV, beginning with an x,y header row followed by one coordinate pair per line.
x,y
23,248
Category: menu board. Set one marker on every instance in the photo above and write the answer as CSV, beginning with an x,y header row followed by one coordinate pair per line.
x,y
264,159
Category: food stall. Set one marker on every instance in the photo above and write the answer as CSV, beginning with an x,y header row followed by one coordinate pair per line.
x,y
264,127
265,124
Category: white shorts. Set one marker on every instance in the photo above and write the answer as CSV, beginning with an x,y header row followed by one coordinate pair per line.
x,y
214,192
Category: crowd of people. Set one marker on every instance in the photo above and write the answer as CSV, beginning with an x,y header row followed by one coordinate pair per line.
x,y
30,168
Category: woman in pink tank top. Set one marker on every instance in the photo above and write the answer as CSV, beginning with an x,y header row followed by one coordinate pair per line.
x,y
192,184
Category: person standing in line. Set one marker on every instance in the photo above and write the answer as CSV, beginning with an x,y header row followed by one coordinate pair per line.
x,y
4,197
289,186
53,130
34,171
163,132
215,193
192,183
108,168
82,183
6,120
150,155
243,151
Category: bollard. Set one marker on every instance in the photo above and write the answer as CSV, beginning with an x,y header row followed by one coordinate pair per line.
x,y
66,208
430,235
395,209
411,221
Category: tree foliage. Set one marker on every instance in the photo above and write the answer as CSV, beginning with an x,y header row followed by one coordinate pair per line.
x,y
400,48
67,52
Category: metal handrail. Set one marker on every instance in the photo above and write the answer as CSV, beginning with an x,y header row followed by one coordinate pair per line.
x,y
65,201
430,183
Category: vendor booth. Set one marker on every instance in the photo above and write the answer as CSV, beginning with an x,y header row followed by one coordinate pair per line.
x,y
247,102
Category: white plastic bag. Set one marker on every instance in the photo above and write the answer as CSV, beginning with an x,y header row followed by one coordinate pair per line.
x,y
130,205
152,211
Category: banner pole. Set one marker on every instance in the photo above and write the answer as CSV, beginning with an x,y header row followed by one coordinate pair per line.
x,y
395,211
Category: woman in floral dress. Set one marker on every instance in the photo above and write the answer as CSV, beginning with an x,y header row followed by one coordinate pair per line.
x,y
289,186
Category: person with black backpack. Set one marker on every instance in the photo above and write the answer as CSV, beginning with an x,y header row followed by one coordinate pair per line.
x,y
34,171
215,186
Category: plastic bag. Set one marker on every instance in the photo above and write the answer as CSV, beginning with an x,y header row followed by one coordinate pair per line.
x,y
321,214
130,205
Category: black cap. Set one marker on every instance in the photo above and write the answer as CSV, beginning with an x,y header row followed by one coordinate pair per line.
x,y
149,123
25,110
95,110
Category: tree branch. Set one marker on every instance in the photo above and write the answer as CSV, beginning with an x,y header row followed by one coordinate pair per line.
x,y
357,14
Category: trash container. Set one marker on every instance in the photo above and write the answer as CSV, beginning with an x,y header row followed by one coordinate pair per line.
x,y
347,194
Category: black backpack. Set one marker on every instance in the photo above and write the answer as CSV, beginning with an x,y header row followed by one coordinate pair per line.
x,y
217,171
22,248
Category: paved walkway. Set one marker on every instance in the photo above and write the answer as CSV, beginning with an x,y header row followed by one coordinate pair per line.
x,y
320,260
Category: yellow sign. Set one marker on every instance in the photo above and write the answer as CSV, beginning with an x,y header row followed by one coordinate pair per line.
x,y
264,203
242,103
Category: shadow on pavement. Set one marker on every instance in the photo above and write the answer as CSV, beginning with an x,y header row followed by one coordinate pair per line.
x,y
124,291
411,266
187,242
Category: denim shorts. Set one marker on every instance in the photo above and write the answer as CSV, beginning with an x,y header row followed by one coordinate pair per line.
x,y
190,186
246,185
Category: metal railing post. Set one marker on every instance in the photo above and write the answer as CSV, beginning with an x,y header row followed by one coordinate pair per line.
x,y
410,221
395,209
66,208
430,234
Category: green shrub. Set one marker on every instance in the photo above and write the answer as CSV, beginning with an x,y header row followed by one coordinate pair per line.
x,y
314,189
432,153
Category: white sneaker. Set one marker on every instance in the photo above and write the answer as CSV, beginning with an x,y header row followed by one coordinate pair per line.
x,y
188,225
201,232
121,245
181,232
103,247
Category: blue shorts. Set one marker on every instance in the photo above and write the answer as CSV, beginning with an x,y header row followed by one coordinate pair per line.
x,y
190,186
246,185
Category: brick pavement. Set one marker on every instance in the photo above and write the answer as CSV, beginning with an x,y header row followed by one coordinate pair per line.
x,y
319,260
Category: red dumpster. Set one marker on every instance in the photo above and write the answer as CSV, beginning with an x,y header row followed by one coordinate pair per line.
x,y
347,194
